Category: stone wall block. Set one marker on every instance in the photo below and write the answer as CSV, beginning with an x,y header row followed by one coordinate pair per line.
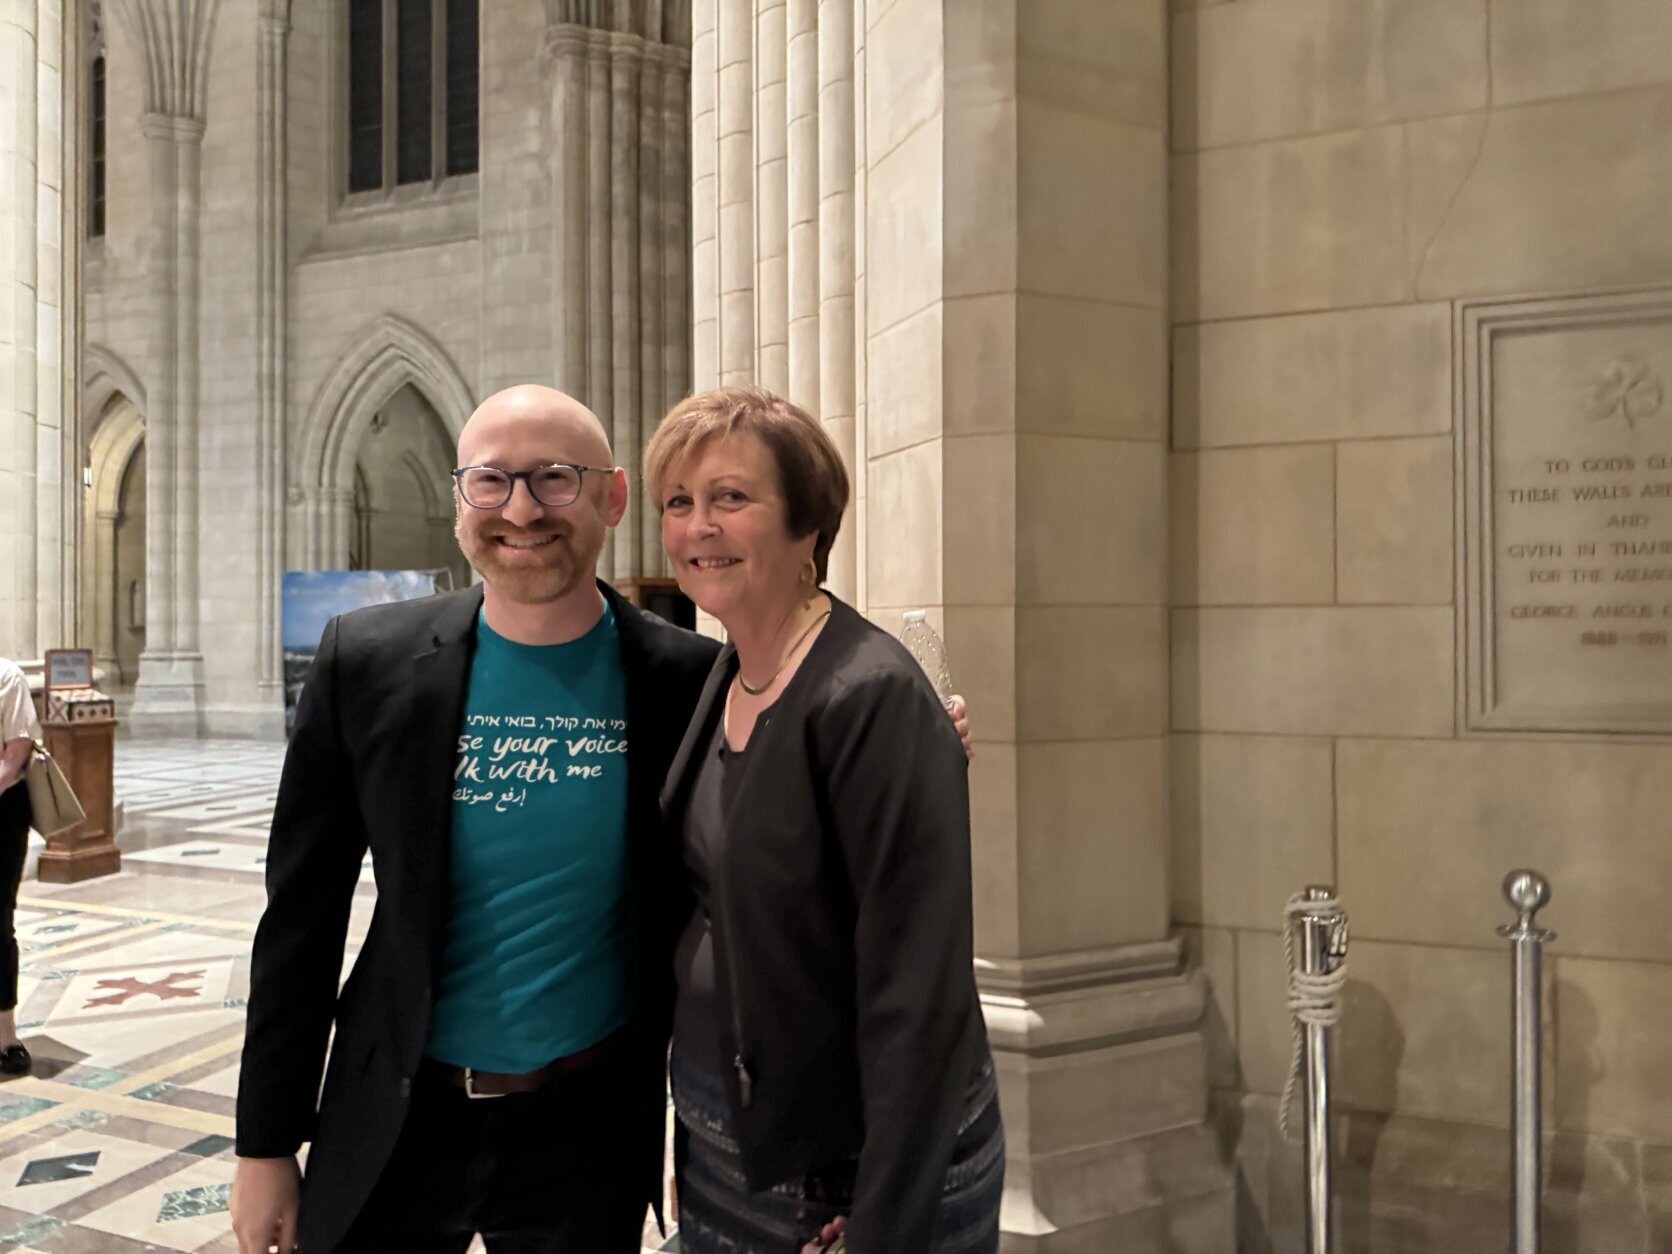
x,y
1096,57
993,836
905,500
982,230
905,384
1547,48
1342,375
1323,65
1296,225
1425,1031
1090,672
1092,817
907,83
981,516
980,363
1095,528
1356,671
1550,197
1428,830
903,229
1253,823
1253,526
1083,178
1098,1096
1394,522
1090,368
1213,951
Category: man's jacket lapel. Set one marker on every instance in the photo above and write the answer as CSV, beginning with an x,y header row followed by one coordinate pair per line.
x,y
440,680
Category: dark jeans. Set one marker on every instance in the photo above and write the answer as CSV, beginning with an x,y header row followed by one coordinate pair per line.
x,y
534,1173
14,845
720,1214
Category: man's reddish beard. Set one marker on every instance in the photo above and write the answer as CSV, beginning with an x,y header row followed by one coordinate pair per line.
x,y
569,562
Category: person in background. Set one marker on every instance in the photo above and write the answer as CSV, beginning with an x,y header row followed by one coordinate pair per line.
x,y
19,729
830,1065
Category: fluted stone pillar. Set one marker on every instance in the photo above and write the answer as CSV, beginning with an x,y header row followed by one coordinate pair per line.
x,y
19,177
168,696
834,227
771,198
802,178
172,39
104,590
621,291
36,371
705,196
272,230
734,33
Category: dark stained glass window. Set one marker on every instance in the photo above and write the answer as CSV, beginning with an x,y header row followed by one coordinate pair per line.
x,y
414,88
96,181
413,84
365,95
462,118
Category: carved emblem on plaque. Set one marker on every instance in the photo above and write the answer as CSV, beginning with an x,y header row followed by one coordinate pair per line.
x,y
1628,389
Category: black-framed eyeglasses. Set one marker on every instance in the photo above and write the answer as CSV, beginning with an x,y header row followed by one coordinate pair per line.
x,y
489,487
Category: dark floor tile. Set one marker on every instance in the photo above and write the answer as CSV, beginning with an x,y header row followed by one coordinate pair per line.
x,y
209,1146
52,1170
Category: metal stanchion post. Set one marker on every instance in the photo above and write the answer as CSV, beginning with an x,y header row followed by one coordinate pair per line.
x,y
1322,929
1528,892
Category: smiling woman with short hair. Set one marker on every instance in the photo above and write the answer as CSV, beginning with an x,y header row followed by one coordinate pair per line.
x,y
830,1064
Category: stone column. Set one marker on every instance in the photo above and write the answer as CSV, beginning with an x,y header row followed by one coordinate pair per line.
x,y
675,252
623,320
706,288
55,390
19,181
771,199
168,696
617,125
836,244
736,172
172,39
566,48
861,350
104,590
272,231
802,176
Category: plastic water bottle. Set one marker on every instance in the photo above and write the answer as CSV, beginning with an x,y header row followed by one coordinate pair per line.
x,y
925,645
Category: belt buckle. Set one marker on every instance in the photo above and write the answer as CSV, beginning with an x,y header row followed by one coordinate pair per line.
x,y
470,1086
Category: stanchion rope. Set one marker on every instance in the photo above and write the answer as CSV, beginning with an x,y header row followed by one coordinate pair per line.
x,y
1313,999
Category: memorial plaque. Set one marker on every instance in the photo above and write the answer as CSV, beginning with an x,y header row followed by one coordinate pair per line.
x,y
1565,513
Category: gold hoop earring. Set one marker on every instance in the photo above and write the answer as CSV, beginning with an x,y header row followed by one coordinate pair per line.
x,y
811,573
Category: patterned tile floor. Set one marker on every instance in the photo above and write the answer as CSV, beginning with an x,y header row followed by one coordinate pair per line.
x,y
131,998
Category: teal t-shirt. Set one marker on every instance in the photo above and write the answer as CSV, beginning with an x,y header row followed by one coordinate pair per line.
x,y
534,965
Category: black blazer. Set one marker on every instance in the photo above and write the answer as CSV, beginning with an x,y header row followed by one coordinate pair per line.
x,y
370,765
840,905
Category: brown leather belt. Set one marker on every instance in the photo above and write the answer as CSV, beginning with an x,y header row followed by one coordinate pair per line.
x,y
503,1084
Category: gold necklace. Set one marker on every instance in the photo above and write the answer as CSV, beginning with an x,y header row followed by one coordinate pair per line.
x,y
755,692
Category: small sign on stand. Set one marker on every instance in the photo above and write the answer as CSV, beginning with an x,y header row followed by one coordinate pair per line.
x,y
69,695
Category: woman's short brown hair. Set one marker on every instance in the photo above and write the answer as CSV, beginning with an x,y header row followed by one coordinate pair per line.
x,y
810,471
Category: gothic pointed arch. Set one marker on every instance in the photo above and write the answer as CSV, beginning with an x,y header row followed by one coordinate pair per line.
x,y
390,353
112,447
104,375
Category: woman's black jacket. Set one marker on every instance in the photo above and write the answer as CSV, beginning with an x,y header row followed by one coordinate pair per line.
x,y
840,907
